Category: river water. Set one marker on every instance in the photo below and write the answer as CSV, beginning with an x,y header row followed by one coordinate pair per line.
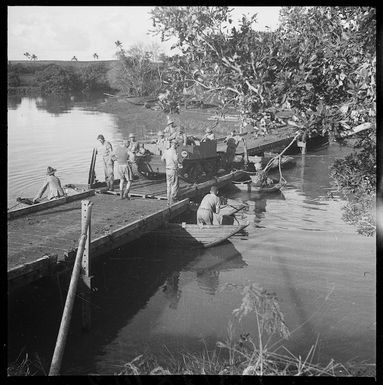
x,y
156,299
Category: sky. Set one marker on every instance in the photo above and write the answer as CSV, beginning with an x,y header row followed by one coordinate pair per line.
x,y
59,33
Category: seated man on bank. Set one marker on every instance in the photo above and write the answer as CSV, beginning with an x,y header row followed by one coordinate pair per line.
x,y
54,184
210,204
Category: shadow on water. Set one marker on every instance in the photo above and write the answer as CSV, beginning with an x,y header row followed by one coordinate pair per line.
x,y
124,282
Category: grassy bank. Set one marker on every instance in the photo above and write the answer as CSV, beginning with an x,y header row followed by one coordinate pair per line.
x,y
195,121
262,354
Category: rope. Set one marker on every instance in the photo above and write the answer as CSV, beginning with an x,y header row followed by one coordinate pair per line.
x,y
14,206
279,155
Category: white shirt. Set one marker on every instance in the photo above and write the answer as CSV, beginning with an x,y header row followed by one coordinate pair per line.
x,y
171,159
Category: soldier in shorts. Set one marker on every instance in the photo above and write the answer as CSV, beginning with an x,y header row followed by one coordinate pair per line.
x,y
123,157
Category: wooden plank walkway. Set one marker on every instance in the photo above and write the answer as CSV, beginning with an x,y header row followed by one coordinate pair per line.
x,y
40,240
41,237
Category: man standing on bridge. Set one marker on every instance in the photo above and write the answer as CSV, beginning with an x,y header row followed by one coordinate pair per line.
x,y
210,204
106,150
124,169
232,142
172,165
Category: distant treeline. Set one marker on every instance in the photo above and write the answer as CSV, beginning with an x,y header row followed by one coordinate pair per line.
x,y
55,77
61,77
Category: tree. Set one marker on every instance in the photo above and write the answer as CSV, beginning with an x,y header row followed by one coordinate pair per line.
x,y
321,60
33,57
93,77
74,58
54,79
27,55
95,56
134,73
306,61
118,44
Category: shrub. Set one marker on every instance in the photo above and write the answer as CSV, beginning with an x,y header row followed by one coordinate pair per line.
x,y
56,80
93,77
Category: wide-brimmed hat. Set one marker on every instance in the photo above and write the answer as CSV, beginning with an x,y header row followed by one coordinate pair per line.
x,y
209,130
50,170
170,121
100,137
132,135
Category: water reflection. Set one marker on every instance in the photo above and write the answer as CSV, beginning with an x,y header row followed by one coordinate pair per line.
x,y
13,101
55,105
208,266
171,289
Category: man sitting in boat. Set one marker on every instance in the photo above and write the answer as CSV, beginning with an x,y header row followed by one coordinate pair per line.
x,y
260,179
210,204
54,184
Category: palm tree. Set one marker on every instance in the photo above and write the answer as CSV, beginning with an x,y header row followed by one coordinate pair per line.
x,y
27,55
74,58
95,56
118,44
33,57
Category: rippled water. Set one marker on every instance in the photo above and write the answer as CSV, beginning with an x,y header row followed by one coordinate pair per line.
x,y
52,132
157,299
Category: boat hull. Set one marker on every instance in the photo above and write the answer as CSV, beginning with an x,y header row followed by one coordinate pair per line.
x,y
250,187
189,235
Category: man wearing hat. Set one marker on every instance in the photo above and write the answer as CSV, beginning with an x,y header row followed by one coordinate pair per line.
x,y
180,136
54,184
209,135
170,128
106,150
232,142
171,164
134,148
161,142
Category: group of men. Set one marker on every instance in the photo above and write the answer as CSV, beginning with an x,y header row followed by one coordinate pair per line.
x,y
125,155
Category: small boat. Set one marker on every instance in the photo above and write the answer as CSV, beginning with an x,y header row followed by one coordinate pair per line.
x,y
190,235
249,186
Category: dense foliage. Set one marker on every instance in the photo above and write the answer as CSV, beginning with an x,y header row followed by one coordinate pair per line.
x,y
321,62
135,73
316,61
13,76
56,80
93,77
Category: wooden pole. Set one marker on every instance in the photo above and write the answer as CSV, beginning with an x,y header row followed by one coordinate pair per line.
x,y
68,308
86,290
245,154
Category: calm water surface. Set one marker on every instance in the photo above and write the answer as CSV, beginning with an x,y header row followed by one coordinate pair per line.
x,y
156,299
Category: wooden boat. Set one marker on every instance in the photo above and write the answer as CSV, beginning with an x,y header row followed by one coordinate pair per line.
x,y
249,186
190,235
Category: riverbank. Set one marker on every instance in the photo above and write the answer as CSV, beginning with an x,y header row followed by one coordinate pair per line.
x,y
195,121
